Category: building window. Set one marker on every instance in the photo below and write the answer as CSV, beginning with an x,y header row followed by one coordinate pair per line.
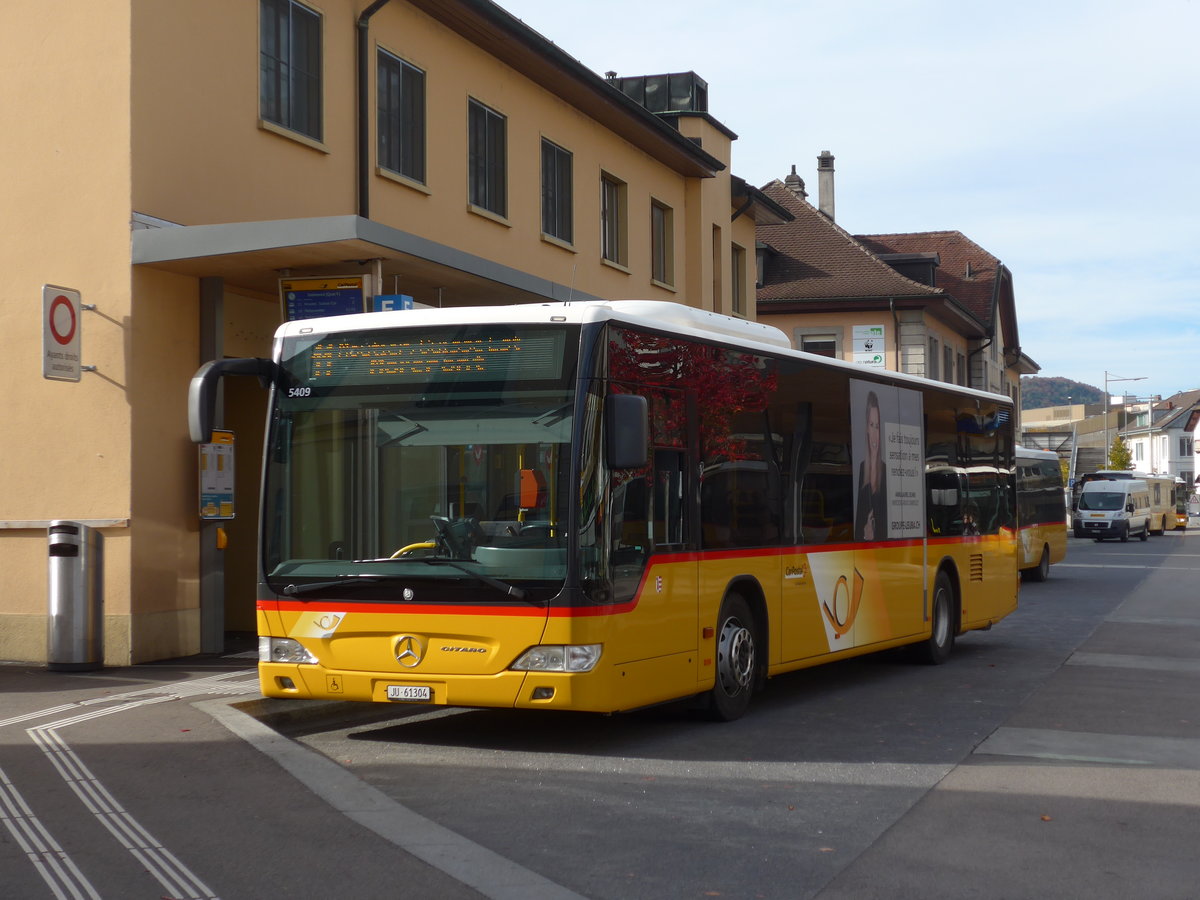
x,y
933,359
718,269
820,344
1138,452
662,243
962,371
487,164
737,259
612,219
290,66
401,117
557,192
1185,446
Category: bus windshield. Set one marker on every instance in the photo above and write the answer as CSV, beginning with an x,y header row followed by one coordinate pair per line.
x,y
443,455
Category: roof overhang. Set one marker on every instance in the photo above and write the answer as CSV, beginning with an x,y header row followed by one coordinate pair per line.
x,y
762,209
255,255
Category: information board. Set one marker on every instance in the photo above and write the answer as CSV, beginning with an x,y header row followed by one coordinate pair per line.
x,y
216,476
313,298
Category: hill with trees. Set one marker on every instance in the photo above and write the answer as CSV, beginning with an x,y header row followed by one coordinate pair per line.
x,y
1037,392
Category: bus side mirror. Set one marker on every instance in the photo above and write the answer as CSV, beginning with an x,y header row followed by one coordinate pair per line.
x,y
626,430
202,392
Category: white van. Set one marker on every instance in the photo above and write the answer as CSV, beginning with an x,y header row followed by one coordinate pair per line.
x,y
1118,509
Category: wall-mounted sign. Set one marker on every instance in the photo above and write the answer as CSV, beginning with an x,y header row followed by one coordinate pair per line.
x,y
385,302
312,298
867,342
60,333
216,477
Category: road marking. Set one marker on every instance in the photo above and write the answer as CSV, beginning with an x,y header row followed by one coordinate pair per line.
x,y
1125,566
1130,661
52,863
1112,749
55,867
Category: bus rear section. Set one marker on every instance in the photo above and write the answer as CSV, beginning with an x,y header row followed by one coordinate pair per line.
x,y
1041,512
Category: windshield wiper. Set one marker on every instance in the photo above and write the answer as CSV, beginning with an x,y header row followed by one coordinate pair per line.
x,y
510,589
295,590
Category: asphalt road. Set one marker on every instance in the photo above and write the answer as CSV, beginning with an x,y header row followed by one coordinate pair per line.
x,y
1056,755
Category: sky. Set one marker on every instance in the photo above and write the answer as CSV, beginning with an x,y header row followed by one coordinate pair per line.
x,y
1062,136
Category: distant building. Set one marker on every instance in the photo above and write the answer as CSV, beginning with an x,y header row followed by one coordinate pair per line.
x,y
1160,435
934,304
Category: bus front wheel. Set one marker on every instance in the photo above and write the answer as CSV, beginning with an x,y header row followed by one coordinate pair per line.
x,y
737,661
936,648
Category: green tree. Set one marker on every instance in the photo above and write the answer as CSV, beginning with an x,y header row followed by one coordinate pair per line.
x,y
1119,457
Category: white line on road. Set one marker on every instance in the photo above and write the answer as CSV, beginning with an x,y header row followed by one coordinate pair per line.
x,y
52,863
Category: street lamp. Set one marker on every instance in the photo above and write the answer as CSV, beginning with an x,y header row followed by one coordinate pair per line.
x,y
1107,400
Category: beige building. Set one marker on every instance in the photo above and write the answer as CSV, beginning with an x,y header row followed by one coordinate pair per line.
x,y
172,162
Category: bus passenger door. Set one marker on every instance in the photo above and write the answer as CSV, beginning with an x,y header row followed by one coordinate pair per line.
x,y
654,566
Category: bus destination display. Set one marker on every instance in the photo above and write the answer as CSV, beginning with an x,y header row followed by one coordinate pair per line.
x,y
365,357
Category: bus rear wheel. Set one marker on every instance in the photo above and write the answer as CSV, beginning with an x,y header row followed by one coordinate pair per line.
x,y
936,648
737,661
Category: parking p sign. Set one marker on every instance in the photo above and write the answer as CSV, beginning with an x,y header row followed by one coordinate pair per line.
x,y
60,333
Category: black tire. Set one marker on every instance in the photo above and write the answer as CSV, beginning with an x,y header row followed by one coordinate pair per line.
x,y
935,650
1145,532
1042,572
737,661
1125,535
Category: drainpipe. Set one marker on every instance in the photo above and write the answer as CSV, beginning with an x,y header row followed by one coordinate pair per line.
x,y
895,333
364,108
971,356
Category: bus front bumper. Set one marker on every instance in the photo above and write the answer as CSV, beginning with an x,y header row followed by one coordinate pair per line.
x,y
587,691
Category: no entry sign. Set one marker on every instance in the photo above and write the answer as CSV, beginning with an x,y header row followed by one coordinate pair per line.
x,y
60,333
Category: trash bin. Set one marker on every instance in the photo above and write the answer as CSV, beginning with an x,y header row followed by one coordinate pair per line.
x,y
75,628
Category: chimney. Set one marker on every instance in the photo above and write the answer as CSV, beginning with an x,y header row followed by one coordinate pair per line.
x,y
825,184
795,184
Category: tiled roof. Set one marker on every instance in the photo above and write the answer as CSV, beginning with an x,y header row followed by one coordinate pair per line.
x,y
817,260
1176,407
966,271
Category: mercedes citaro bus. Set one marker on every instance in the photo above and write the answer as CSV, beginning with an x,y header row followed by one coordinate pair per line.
x,y
605,505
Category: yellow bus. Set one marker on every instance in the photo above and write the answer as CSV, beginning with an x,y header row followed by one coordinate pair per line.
x,y
1041,512
606,505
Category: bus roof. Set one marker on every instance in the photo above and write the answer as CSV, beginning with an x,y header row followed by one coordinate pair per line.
x,y
1034,453
660,314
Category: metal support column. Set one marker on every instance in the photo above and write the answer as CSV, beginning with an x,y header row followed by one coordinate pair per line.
x,y
212,560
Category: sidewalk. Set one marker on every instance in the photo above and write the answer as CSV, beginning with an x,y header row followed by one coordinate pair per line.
x,y
1091,789
124,782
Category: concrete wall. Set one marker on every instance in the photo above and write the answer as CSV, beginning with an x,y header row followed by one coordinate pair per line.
x,y
65,207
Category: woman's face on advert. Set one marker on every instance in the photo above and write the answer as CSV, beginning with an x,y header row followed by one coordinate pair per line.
x,y
873,431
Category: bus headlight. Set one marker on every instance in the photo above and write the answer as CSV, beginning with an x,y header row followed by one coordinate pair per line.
x,y
559,658
283,650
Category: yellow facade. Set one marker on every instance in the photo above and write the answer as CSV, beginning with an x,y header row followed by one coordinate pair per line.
x,y
144,174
